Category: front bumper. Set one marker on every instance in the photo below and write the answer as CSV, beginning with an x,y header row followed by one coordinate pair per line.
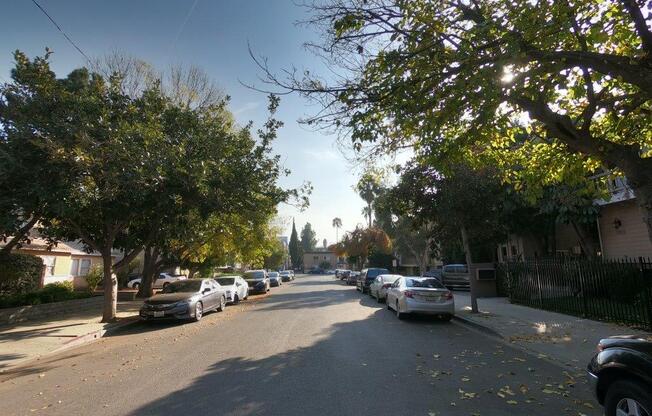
x,y
153,312
593,384
430,308
257,287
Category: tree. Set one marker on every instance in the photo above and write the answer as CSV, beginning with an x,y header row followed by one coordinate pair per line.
x,y
296,257
337,224
368,187
478,77
361,242
308,238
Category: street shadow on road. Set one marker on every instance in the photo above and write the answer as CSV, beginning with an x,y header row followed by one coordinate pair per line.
x,y
43,365
373,366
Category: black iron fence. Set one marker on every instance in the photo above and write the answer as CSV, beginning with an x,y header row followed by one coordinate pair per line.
x,y
611,290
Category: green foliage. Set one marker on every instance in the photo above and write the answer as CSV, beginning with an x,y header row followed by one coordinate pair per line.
x,y
94,277
52,292
276,257
296,253
325,265
308,238
19,273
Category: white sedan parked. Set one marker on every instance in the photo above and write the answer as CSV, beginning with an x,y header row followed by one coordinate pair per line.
x,y
236,288
424,295
161,281
378,288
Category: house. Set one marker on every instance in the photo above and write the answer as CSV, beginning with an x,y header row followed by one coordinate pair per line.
x,y
312,259
619,231
65,261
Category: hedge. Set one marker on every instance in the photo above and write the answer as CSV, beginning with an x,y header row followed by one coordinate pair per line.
x,y
19,273
52,292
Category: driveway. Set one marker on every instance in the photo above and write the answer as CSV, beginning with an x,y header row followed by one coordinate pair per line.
x,y
312,347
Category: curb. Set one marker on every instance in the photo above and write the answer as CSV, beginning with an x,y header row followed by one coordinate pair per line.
x,y
524,349
479,327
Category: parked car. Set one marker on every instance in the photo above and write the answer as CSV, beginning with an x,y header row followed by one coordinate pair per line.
x,y
456,277
257,280
380,285
274,278
184,299
436,273
352,278
286,275
367,276
161,281
620,375
236,288
423,295
344,274
316,270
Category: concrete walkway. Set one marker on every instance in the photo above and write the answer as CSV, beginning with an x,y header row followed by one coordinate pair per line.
x,y
565,339
31,340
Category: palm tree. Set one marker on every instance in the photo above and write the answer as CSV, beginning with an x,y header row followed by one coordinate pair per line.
x,y
337,224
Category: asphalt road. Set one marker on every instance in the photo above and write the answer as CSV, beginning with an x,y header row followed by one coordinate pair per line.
x,y
311,347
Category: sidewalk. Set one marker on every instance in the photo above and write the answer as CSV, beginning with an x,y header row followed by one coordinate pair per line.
x,y
30,340
565,339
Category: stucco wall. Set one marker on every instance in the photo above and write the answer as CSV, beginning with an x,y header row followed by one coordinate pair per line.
x,y
309,261
630,239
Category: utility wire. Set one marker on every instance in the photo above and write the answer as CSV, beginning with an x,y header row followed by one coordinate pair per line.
x,y
62,32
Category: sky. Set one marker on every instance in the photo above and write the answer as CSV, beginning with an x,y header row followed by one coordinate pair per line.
x,y
212,34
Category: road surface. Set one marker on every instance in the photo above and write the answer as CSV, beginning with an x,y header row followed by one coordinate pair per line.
x,y
312,347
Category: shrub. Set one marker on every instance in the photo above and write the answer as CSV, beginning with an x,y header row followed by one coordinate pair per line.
x,y
94,277
19,273
52,292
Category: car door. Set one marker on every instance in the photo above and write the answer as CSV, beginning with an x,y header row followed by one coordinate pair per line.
x,y
207,295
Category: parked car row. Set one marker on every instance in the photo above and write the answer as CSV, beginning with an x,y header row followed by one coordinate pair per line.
x,y
190,299
405,295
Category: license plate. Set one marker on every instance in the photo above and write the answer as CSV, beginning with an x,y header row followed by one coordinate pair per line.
x,y
158,314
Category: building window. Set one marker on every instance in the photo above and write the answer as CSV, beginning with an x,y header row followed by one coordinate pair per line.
x,y
84,267
503,251
315,258
74,268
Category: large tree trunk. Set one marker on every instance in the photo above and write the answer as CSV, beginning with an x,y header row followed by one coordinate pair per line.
x,y
585,239
110,286
150,262
469,262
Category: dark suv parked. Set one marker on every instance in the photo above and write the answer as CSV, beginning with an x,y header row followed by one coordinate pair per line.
x,y
621,376
367,276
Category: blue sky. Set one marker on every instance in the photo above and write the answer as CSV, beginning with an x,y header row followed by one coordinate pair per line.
x,y
214,37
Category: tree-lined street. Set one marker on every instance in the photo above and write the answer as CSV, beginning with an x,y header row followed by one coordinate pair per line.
x,y
312,347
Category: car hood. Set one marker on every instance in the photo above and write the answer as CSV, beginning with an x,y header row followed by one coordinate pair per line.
x,y
170,297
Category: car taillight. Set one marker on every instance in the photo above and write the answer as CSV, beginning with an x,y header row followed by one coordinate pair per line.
x,y
448,296
408,294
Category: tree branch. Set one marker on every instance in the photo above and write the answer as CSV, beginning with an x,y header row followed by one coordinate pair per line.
x,y
640,24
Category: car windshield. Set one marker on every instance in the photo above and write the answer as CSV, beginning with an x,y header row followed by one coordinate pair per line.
x,y
183,286
254,275
428,283
226,281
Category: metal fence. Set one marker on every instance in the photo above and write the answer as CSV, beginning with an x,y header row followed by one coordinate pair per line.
x,y
611,290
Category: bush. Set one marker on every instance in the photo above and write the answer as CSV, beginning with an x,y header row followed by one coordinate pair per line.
x,y
19,273
94,277
52,292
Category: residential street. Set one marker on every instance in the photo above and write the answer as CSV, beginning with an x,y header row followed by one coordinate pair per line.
x,y
312,347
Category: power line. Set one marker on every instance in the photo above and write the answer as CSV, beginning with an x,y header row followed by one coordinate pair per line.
x,y
62,32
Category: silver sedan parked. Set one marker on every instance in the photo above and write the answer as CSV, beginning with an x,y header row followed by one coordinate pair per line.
x,y
422,295
378,288
184,299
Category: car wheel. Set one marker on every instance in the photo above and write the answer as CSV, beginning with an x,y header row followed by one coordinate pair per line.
x,y
236,299
626,397
199,311
166,284
222,304
399,314
136,286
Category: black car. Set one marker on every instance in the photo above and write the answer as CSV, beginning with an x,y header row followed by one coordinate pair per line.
x,y
621,375
258,281
367,276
